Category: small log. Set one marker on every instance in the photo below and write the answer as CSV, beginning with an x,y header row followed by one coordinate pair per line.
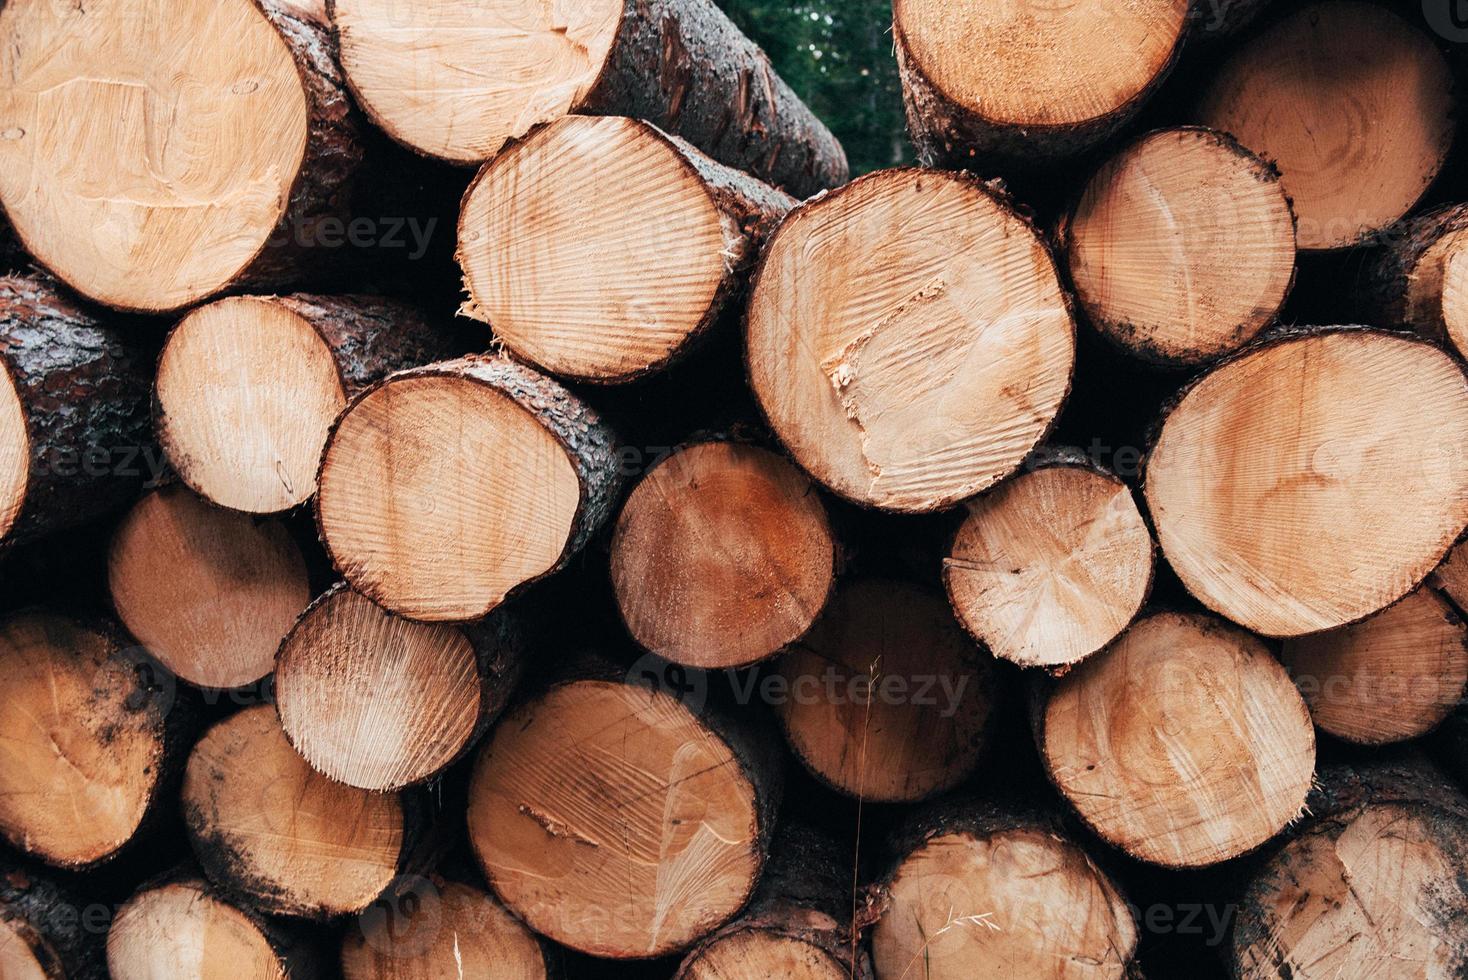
x,y
553,263
1183,743
379,702
887,699
44,930
249,386
267,827
908,339
1418,277
723,556
1355,155
227,136
1313,481
988,84
446,488
1051,566
617,820
209,592
1182,247
457,81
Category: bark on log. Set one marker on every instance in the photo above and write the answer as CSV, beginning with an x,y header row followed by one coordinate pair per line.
x,y
923,303
43,933
552,262
516,472
976,99
249,386
1418,277
619,819
679,64
379,702
247,98
74,441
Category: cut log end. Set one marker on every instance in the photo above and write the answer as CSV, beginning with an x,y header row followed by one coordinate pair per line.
x,y
1292,527
1048,568
207,591
610,818
758,953
265,825
908,339
1354,155
723,555
214,83
24,953
1182,247
1183,744
887,699
15,454
1389,678
183,928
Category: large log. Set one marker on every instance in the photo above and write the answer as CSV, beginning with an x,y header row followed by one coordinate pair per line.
x,y
1183,743
457,81
1418,277
446,488
45,933
996,83
908,338
1355,153
608,280
226,132
1314,480
249,386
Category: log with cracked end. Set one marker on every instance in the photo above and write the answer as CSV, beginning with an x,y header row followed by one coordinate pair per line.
x,y
1418,278
248,387
445,488
1313,480
1183,743
1182,246
380,702
1353,103
619,819
1372,884
908,338
1052,565
266,826
458,81
228,134
723,555
1391,677
887,699
555,262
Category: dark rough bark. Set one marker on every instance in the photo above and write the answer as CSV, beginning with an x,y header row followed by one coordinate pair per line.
x,y
1218,20
83,387
54,924
1381,288
683,65
369,337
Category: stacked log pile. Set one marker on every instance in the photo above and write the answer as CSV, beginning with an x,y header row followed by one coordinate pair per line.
x,y
1042,561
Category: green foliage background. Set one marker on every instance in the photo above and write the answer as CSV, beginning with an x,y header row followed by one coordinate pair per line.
x,y
837,55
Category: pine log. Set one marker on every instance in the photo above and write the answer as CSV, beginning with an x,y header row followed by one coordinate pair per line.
x,y
1373,885
458,81
73,413
249,386
1391,677
209,592
1051,566
1355,106
1418,277
440,929
44,933
85,732
1183,743
723,555
267,827
887,699
1300,527
379,702
179,925
1182,247
446,488
226,131
554,262
908,338
619,820
979,889
995,83
797,926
